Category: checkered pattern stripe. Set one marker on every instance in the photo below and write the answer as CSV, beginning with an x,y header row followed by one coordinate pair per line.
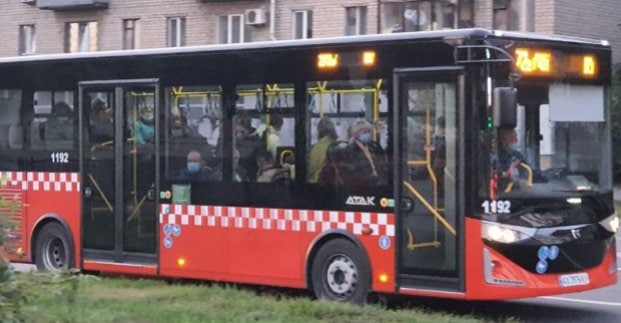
x,y
41,181
277,219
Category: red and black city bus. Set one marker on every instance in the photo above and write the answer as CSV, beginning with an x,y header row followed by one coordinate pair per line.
x,y
467,164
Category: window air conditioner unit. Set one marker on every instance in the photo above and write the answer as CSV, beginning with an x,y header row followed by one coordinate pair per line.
x,y
255,17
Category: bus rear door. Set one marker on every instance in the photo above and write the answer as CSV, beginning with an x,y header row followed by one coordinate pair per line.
x,y
119,125
428,216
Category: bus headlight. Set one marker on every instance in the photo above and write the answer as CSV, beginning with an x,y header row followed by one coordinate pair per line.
x,y
505,233
611,223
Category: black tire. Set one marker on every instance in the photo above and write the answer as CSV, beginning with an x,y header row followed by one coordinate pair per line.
x,y
53,250
341,273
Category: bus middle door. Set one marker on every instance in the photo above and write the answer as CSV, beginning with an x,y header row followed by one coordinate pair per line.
x,y
119,162
426,103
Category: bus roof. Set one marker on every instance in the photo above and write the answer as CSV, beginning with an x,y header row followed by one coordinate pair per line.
x,y
419,35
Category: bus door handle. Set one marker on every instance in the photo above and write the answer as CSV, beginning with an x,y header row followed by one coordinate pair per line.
x,y
406,205
151,194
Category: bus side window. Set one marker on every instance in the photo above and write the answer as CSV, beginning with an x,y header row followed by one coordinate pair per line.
x,y
52,127
11,129
264,129
348,136
59,127
192,125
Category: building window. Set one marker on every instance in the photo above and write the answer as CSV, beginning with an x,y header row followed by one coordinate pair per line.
x,y
81,37
355,21
130,33
233,30
175,32
27,43
506,15
424,15
302,24
466,14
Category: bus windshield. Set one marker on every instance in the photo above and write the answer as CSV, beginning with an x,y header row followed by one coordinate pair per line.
x,y
559,147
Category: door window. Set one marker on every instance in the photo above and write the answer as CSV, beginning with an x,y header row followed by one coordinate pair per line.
x,y
429,178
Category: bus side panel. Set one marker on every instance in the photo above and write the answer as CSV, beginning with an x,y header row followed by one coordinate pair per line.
x,y
45,195
381,251
254,245
512,281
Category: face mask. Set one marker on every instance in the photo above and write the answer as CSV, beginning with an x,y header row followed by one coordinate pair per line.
x,y
148,117
365,138
194,167
514,147
177,133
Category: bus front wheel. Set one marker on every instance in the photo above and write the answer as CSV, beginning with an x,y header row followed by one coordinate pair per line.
x,y
340,273
53,249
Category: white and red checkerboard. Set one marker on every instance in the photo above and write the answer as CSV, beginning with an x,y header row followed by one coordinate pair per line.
x,y
314,221
41,181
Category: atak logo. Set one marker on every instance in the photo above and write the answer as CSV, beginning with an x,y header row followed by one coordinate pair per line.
x,y
361,200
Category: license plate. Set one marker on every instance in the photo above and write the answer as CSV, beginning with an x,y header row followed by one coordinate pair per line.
x,y
573,279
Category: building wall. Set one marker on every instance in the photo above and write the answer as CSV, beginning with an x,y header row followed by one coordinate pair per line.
x,y
590,18
587,18
328,16
544,16
483,16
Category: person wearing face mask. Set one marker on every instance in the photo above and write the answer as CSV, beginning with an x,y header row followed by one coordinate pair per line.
x,y
511,164
195,169
359,162
145,130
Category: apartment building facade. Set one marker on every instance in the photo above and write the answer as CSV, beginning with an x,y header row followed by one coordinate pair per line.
x,y
30,27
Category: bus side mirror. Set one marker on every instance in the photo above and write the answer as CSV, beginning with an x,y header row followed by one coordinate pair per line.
x,y
505,107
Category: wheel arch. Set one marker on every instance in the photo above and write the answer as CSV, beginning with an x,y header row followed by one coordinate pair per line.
x,y
42,222
321,240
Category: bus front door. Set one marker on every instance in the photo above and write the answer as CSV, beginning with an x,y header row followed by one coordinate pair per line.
x,y
119,160
427,118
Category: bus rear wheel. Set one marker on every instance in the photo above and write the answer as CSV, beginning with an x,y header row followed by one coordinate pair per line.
x,y
53,249
340,273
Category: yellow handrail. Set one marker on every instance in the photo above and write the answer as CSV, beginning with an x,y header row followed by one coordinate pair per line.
x,y
429,207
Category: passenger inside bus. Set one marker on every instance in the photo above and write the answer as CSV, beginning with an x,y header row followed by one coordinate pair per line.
x,y
511,164
101,124
317,156
179,127
208,129
249,145
438,152
145,132
360,162
195,169
58,130
271,133
268,170
239,173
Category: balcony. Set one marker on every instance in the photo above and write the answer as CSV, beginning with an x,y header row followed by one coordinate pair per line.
x,y
66,5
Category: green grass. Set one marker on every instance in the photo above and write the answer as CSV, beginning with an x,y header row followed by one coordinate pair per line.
x,y
125,300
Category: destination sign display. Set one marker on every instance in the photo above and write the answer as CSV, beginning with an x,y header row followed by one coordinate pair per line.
x,y
331,60
541,62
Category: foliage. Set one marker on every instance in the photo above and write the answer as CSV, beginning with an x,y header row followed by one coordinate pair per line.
x,y
137,300
12,296
615,112
18,290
